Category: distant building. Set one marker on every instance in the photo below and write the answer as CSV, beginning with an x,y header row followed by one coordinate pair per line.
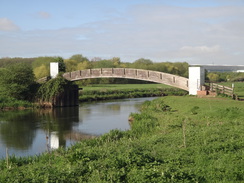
x,y
222,68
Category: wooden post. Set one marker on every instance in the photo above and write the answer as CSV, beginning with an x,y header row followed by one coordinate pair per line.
x,y
7,164
184,132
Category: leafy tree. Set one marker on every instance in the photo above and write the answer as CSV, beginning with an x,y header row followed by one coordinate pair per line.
x,y
41,66
8,61
84,65
79,58
158,67
17,81
116,61
70,65
53,88
62,67
43,61
142,63
182,68
103,64
213,77
41,71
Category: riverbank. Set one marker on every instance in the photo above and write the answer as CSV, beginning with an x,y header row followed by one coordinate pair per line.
x,y
173,139
98,92
121,91
7,103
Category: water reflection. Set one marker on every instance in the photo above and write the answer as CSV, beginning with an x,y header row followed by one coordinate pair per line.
x,y
32,132
16,134
56,123
19,130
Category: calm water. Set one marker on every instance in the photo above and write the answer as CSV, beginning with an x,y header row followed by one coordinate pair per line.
x,y
29,132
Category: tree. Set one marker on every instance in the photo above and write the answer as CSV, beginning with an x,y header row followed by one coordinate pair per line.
x,y
17,81
41,71
103,64
61,65
41,66
70,65
116,61
213,77
78,58
84,65
142,63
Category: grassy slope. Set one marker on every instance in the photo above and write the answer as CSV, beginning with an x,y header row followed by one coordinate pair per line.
x,y
174,139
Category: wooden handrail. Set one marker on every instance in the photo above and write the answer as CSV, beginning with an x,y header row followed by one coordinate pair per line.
x,y
221,89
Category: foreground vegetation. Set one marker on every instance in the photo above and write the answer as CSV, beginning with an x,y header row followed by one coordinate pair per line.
x,y
173,139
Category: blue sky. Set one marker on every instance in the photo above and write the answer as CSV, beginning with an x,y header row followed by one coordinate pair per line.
x,y
195,31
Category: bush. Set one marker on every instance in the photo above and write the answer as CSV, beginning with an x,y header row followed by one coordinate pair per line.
x,y
17,81
53,88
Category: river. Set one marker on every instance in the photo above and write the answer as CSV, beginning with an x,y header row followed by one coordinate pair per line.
x,y
32,132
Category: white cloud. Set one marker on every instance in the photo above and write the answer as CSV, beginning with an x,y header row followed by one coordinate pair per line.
x,y
7,25
200,49
44,15
161,33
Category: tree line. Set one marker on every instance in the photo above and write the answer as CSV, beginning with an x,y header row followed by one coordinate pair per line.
x,y
40,65
18,75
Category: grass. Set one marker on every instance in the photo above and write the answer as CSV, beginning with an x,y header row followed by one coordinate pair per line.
x,y
119,91
8,103
238,87
123,86
172,139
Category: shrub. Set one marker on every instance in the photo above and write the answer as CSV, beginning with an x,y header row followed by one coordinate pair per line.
x,y
17,81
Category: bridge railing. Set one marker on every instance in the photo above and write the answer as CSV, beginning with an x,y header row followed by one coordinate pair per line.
x,y
220,89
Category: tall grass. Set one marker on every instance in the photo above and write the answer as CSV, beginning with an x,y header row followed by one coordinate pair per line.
x,y
11,103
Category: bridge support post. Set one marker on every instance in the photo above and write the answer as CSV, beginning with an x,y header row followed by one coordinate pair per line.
x,y
54,69
196,79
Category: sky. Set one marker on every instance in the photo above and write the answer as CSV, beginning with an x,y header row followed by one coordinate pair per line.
x,y
193,31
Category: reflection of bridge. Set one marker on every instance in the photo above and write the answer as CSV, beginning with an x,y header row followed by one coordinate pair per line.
x,y
128,73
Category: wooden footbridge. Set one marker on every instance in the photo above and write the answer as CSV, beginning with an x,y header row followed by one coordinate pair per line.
x,y
195,84
129,73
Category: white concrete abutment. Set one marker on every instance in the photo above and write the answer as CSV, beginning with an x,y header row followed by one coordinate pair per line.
x,y
196,79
